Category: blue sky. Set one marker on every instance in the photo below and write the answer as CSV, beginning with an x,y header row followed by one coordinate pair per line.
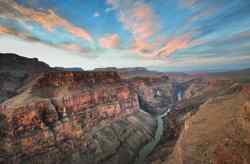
x,y
168,35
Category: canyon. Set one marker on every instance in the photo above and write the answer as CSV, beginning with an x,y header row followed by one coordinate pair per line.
x,y
62,116
110,116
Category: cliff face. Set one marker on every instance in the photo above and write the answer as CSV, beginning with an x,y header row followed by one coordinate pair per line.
x,y
218,132
204,86
15,71
210,124
156,94
54,116
80,117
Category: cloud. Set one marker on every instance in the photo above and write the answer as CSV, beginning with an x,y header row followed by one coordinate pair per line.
x,y
238,42
201,15
7,9
48,20
200,11
175,44
210,17
142,22
235,39
110,41
218,60
51,55
74,48
140,46
139,19
4,30
21,34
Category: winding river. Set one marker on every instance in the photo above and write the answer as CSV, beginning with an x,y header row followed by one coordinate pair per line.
x,y
148,148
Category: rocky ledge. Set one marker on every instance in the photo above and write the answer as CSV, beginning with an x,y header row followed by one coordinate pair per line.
x,y
75,117
156,94
54,116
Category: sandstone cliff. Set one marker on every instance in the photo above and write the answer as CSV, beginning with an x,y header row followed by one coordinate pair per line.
x,y
52,115
74,117
218,132
156,94
220,101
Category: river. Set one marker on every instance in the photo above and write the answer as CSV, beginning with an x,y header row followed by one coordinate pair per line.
x,y
148,148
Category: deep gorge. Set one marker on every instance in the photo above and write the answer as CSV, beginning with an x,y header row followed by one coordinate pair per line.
x,y
82,117
59,116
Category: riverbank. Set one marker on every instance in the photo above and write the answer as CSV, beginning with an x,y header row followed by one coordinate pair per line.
x,y
149,148
167,142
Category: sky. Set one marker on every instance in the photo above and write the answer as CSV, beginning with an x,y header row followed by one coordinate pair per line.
x,y
165,35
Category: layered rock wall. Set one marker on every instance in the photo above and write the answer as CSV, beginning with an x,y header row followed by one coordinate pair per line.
x,y
156,94
98,117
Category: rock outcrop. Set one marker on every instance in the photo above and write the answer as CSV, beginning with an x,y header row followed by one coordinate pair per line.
x,y
204,86
156,94
74,117
217,133
53,115
15,71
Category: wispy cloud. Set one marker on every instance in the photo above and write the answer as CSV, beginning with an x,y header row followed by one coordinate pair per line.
x,y
144,30
139,19
34,25
74,48
110,41
48,20
4,30
20,34
143,23
174,45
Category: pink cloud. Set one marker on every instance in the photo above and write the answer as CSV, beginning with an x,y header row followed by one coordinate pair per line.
x,y
49,20
4,30
110,41
142,22
175,44
139,19
141,46
74,47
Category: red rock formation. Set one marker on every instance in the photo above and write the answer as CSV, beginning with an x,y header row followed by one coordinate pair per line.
x,y
156,93
60,79
59,111
75,117
218,132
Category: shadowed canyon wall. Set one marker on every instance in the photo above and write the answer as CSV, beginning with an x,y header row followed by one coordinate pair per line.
x,y
79,117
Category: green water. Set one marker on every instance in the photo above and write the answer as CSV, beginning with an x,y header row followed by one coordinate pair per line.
x,y
148,148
